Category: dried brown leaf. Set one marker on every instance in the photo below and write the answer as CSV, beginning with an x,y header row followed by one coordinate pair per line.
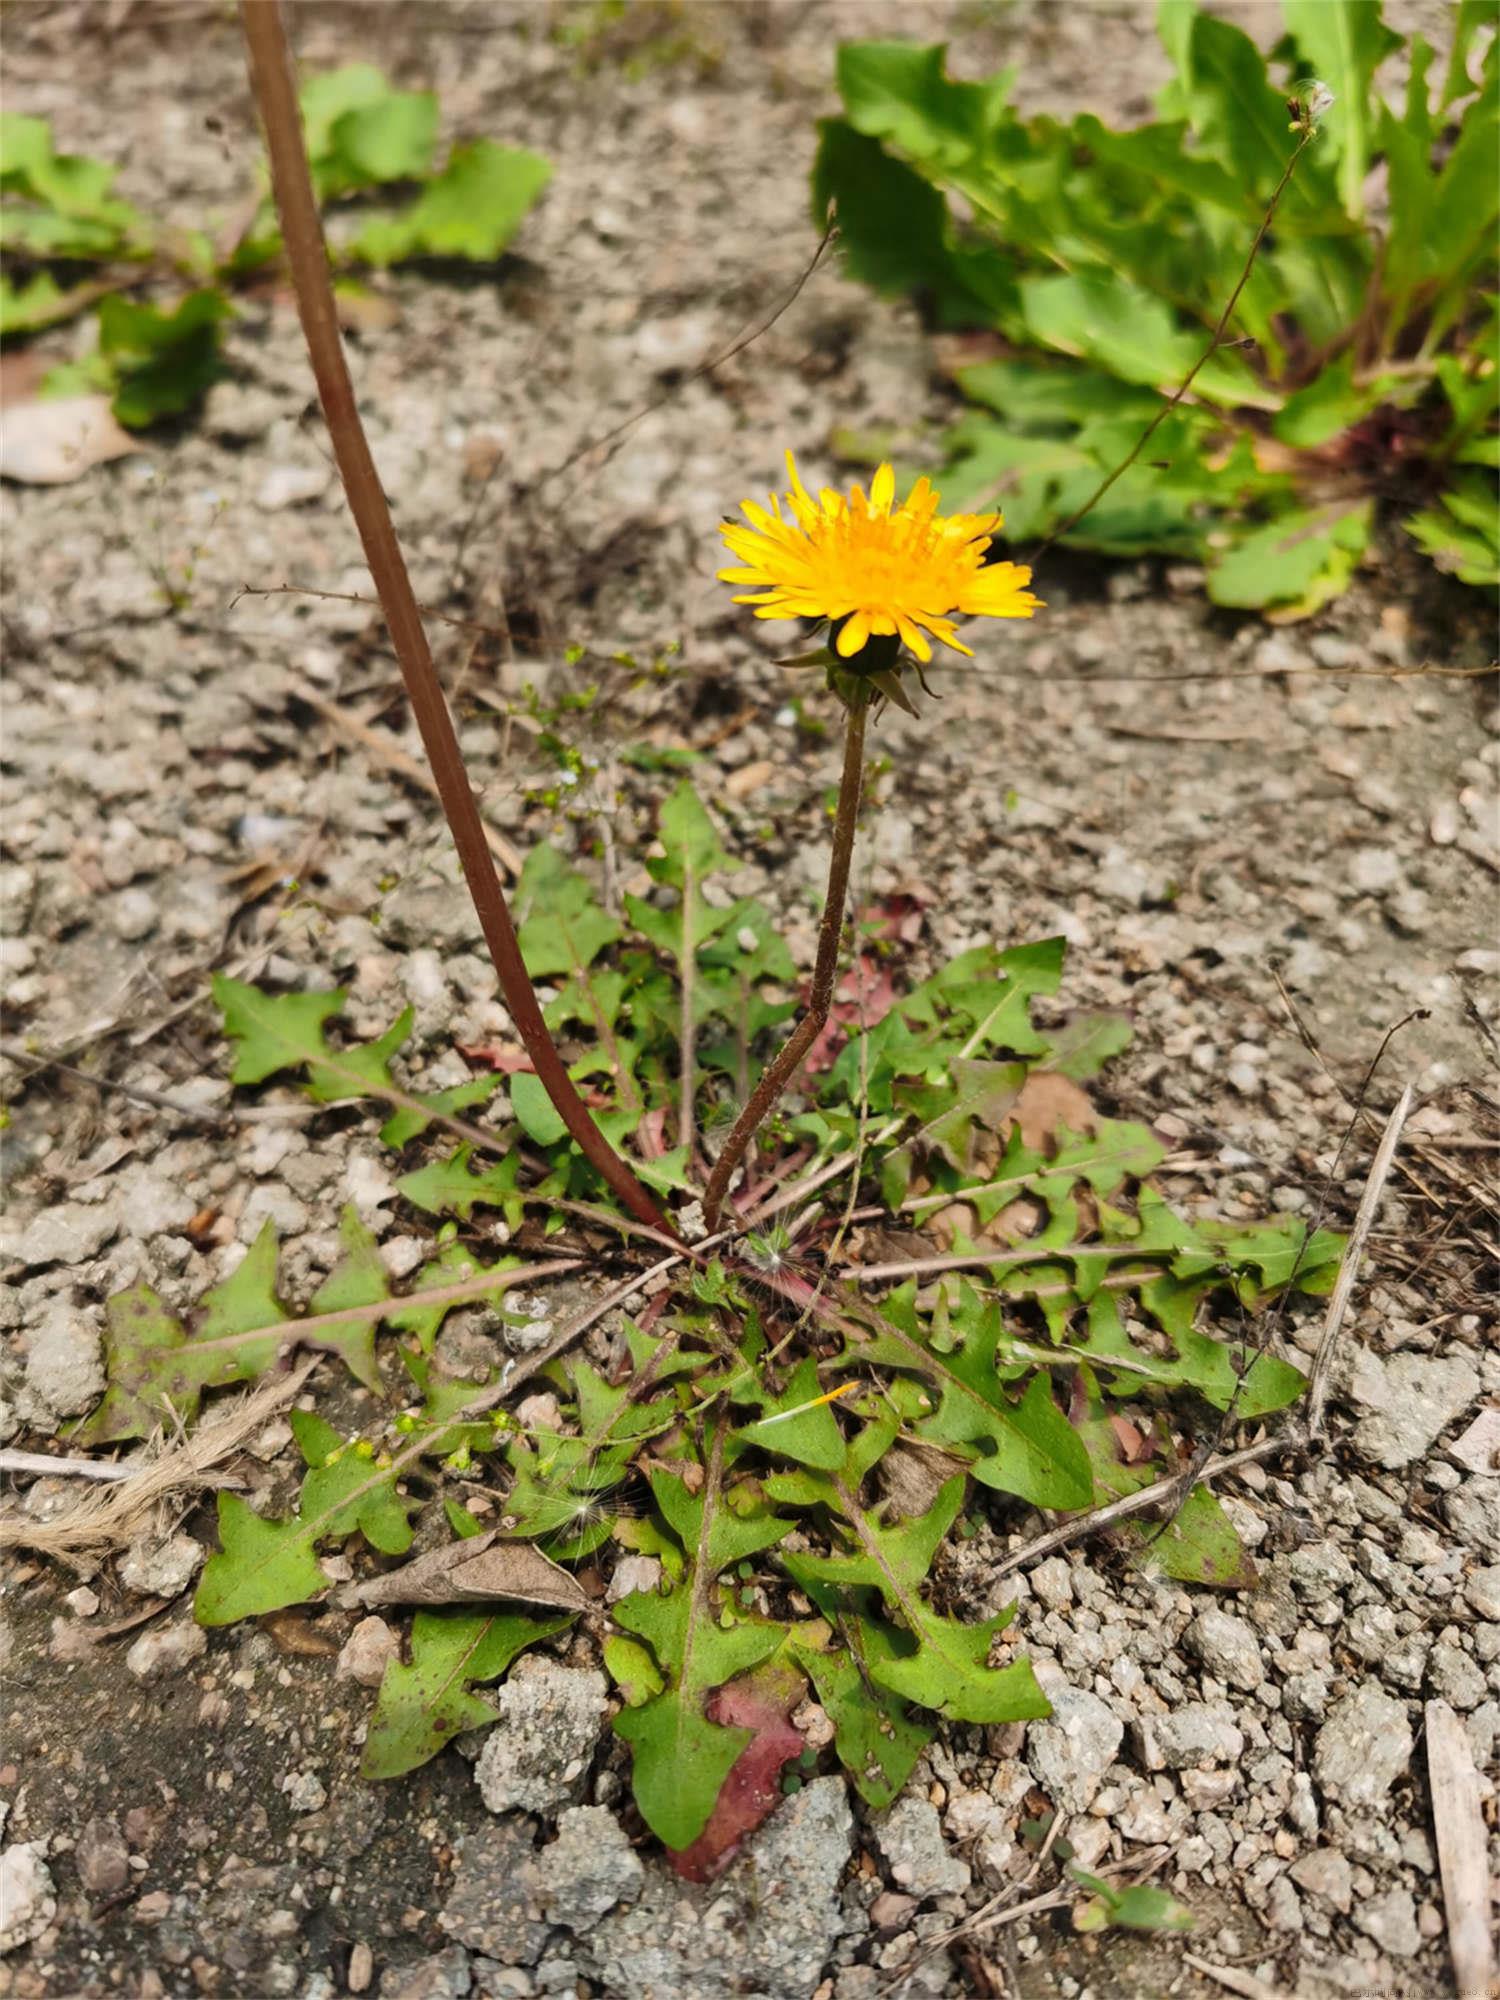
x,y
1048,1101
476,1571
52,444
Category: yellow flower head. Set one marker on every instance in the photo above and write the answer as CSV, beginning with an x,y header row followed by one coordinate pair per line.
x,y
873,569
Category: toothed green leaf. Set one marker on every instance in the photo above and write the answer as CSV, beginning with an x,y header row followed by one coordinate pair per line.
x,y
789,1430
262,1565
699,1641
679,1758
280,1031
450,1186
408,1124
424,1705
936,1662
877,1737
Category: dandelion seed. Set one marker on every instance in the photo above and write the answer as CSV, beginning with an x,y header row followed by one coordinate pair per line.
x,y
832,1396
768,1252
883,576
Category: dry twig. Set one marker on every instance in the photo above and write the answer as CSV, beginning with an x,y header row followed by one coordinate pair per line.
x,y
1458,1821
1229,1976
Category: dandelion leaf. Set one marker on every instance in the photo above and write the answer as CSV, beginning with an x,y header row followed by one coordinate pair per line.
x,y
788,1428
279,1031
1199,1544
407,1123
936,1662
262,1565
877,1737
424,1705
680,1758
1026,1447
157,1375
358,1279
562,927
450,1186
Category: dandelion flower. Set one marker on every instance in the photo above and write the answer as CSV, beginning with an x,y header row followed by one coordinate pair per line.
x,y
875,571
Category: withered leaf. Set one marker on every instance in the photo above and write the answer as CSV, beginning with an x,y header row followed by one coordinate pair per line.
x,y
1047,1101
912,1474
475,1571
291,1631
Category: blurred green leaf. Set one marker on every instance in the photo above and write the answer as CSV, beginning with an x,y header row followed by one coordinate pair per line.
x,y
36,302
1463,535
163,362
58,204
1342,43
1295,563
1198,1544
1104,260
1466,21
325,99
471,209
450,1186
1100,317
537,1115
1238,115
1331,403
409,1123
899,91
1133,1906
388,140
895,232
562,928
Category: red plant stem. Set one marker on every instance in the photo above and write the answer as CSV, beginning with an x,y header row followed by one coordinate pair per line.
x,y
307,258
825,969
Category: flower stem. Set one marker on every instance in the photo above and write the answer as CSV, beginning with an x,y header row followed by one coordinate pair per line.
x,y
307,258
825,969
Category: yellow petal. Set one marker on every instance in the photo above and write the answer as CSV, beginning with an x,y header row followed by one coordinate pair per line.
x,y
862,562
921,503
999,592
800,500
913,640
854,635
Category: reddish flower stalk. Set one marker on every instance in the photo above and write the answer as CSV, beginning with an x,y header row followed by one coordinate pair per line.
x,y
307,259
825,969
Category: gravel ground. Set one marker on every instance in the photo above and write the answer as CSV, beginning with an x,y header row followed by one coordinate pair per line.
x,y
182,1811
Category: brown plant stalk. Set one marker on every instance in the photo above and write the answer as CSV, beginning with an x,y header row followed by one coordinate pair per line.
x,y
825,969
307,259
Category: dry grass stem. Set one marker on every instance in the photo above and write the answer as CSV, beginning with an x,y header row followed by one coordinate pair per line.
x,y
1343,1291
110,1521
37,1465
